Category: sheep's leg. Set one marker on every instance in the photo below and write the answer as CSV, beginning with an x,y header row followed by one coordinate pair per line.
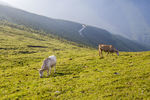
x,y
48,72
50,69
54,68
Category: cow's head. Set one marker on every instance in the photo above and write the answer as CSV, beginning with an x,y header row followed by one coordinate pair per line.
x,y
41,73
117,52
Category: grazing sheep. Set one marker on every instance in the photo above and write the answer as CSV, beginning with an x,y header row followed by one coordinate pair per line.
x,y
48,63
108,49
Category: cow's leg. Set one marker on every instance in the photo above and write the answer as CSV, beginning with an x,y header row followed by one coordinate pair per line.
x,y
100,52
107,53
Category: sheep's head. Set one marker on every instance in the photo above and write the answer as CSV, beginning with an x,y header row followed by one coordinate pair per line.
x,y
41,73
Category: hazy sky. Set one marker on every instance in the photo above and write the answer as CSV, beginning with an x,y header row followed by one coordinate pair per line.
x,y
89,12
62,9
82,11
92,12
114,15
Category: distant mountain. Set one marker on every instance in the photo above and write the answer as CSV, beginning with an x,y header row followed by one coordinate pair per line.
x,y
4,3
128,18
72,31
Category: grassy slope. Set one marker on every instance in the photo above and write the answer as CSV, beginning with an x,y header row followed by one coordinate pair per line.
x,y
126,76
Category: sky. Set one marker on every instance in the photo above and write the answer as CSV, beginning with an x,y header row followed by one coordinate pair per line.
x,y
61,9
80,11
90,12
116,16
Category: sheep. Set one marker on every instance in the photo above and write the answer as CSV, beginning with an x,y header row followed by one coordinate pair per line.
x,y
48,63
108,49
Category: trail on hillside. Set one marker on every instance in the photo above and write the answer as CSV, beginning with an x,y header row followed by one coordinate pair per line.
x,y
80,31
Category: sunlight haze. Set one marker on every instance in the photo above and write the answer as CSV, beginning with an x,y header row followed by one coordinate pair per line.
x,y
116,16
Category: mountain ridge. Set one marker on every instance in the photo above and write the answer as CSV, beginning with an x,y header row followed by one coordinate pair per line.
x,y
68,29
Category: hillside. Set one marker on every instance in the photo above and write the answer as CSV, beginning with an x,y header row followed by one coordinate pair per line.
x,y
129,18
91,36
80,74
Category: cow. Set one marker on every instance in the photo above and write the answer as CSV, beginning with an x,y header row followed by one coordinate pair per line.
x,y
48,63
108,49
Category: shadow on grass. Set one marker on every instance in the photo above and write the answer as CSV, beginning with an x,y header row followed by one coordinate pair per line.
x,y
101,58
61,74
56,74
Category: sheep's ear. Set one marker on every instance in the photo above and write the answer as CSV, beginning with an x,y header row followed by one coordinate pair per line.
x,y
49,58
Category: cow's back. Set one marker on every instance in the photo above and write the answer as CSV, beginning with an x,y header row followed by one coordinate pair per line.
x,y
106,47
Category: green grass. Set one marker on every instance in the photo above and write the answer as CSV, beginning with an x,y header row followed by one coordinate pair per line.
x,y
80,73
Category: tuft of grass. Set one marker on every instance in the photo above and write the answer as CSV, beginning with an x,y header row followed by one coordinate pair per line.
x,y
80,73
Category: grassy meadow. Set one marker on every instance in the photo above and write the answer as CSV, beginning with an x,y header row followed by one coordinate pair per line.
x,y
80,73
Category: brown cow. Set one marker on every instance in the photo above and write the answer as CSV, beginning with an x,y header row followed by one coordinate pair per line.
x,y
108,49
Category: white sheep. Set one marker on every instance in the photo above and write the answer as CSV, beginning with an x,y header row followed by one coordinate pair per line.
x,y
48,63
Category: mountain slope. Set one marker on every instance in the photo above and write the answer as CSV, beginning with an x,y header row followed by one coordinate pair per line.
x,y
68,30
79,75
129,18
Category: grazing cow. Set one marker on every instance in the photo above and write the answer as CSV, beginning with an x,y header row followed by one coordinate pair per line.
x,y
108,49
48,63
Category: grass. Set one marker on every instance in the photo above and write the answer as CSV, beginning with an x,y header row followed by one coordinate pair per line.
x,y
80,73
